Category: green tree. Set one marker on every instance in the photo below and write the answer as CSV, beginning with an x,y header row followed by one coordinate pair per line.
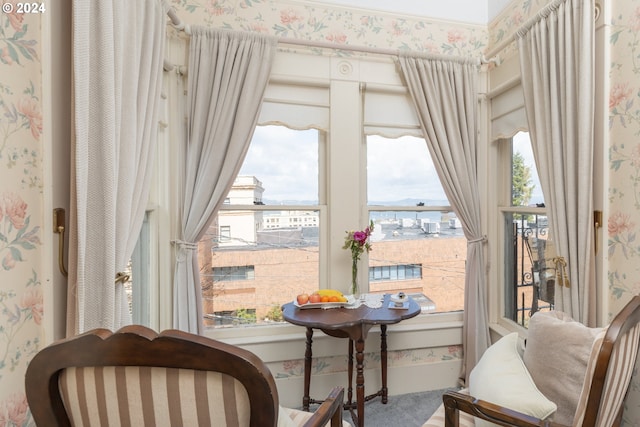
x,y
521,185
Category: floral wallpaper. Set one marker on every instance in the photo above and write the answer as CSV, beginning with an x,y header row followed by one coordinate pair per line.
x,y
624,171
21,304
310,21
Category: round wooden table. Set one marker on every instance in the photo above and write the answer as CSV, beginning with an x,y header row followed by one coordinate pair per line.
x,y
353,324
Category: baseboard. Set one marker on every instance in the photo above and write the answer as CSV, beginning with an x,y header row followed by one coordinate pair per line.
x,y
400,380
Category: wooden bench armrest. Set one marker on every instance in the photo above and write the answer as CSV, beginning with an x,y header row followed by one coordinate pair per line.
x,y
454,402
329,410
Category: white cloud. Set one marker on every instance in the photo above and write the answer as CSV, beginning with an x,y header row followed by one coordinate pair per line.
x,y
286,162
401,169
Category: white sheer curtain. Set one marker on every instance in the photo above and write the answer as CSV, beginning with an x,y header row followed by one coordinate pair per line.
x,y
118,49
445,95
557,66
228,74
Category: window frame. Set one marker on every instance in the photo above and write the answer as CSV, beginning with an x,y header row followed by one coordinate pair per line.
x,y
300,70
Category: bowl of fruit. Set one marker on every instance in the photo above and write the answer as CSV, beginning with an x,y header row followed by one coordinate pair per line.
x,y
323,298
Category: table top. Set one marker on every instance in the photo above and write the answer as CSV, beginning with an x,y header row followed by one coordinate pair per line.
x,y
345,318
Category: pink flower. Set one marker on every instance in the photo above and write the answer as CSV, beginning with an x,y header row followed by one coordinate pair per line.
x,y
13,411
14,208
396,28
214,8
15,19
337,38
358,241
619,92
360,237
291,365
30,107
5,57
619,223
32,300
288,17
454,36
8,262
516,18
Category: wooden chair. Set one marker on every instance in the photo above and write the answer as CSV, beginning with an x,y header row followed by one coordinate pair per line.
x,y
608,374
138,377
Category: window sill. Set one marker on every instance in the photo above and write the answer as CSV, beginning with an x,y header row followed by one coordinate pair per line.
x,y
285,332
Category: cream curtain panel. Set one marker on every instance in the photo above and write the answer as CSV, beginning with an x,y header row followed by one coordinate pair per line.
x,y
228,75
118,49
445,95
557,66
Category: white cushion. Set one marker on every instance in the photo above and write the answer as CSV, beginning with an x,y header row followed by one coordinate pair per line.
x,y
556,355
284,420
501,377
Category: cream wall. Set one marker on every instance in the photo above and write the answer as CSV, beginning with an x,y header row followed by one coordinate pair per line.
x,y
21,208
622,199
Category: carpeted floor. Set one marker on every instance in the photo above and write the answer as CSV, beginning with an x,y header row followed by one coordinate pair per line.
x,y
406,410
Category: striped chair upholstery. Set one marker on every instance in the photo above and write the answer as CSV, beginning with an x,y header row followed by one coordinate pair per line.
x,y
152,396
608,375
607,409
135,377
437,419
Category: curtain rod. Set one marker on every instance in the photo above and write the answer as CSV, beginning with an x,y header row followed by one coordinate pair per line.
x,y
180,26
493,53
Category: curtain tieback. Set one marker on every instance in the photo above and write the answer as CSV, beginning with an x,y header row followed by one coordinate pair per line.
x,y
121,278
561,271
478,239
185,245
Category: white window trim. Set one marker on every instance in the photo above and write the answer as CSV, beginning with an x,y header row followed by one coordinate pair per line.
x,y
344,78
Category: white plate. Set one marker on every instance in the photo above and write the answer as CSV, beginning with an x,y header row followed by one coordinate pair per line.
x,y
350,300
399,297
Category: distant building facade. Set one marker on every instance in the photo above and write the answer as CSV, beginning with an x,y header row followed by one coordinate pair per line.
x,y
253,261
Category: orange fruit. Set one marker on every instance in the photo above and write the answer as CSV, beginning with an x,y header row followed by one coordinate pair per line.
x,y
324,299
333,298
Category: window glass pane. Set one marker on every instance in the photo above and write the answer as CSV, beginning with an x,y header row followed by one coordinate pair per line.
x,y
406,258
138,287
424,250
525,188
286,162
255,258
528,269
400,172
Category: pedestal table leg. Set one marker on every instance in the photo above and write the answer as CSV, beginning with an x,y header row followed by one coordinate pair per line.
x,y
360,380
383,362
350,374
307,371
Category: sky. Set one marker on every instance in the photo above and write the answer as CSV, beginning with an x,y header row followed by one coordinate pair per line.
x,y
286,162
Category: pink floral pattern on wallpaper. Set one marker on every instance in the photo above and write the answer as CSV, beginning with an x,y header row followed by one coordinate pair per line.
x,y
15,235
20,107
337,25
326,365
14,411
624,167
21,127
17,48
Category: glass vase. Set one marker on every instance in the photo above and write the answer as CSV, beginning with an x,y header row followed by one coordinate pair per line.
x,y
354,279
